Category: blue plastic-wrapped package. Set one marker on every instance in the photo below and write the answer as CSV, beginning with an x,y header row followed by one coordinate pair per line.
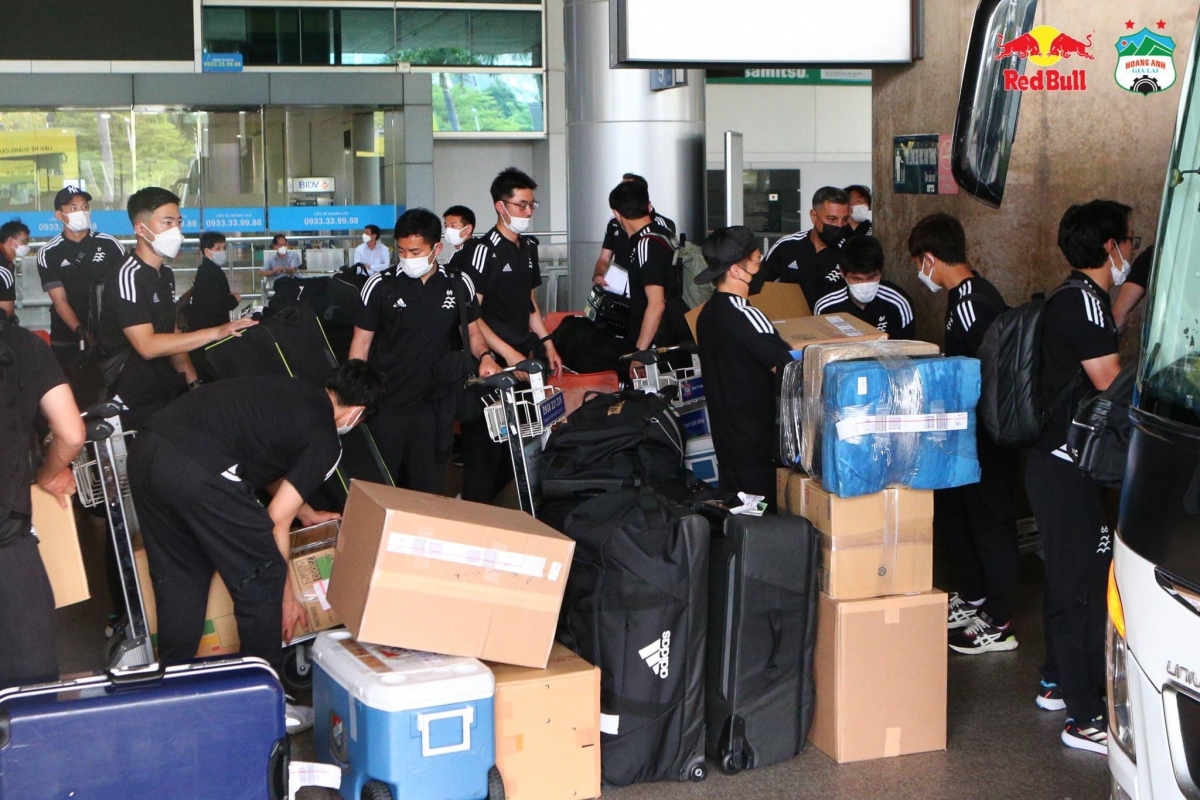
x,y
907,422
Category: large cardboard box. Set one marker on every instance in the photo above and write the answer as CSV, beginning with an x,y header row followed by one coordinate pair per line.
x,y
430,573
548,728
871,545
803,331
58,545
313,549
779,301
880,671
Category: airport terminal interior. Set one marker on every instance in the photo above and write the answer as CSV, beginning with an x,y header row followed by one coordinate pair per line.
x,y
627,398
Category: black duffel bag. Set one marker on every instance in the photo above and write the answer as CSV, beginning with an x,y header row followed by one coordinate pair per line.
x,y
587,347
1098,439
613,440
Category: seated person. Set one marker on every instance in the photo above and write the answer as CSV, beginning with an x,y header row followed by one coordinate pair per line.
x,y
280,259
866,295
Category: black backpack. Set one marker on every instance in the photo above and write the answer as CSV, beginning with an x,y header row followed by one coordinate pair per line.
x,y
1098,439
613,440
587,347
1010,403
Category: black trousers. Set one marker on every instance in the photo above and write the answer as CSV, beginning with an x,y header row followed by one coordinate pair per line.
x,y
195,522
1077,543
407,444
487,465
27,651
980,525
746,465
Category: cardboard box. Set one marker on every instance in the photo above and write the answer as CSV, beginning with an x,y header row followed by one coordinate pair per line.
x,y
801,332
313,549
220,635
871,545
548,728
58,545
430,573
779,301
880,671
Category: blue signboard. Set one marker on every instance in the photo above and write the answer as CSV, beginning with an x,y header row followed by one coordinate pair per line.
x,y
331,218
235,220
221,62
44,225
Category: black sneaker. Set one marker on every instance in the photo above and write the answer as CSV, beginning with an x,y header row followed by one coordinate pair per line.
x,y
1091,736
1050,698
960,613
981,636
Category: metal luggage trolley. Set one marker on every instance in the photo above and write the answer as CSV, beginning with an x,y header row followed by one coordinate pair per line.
x,y
101,479
683,386
521,417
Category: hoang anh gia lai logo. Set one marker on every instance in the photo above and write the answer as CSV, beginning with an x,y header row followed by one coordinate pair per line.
x,y
1044,46
1145,61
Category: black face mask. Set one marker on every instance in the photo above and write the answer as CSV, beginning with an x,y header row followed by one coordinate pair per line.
x,y
831,234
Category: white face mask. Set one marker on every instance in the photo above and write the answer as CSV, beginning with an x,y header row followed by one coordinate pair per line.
x,y
1119,274
517,224
167,243
22,250
282,251
79,221
928,279
416,267
860,213
863,292
349,426
219,257
366,238
453,236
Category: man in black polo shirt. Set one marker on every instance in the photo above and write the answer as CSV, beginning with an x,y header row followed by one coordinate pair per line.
x,y
457,230
70,266
406,326
14,245
617,247
30,382
811,258
1079,349
978,521
740,355
860,211
193,473
503,266
142,345
209,300
866,295
656,309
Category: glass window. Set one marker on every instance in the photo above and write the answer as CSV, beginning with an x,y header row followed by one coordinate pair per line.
x,y
469,38
167,151
231,160
473,102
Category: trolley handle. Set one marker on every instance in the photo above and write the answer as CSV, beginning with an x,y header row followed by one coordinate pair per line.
x,y
505,378
103,410
652,355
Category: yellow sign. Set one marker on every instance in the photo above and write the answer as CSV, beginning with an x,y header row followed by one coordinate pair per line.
x,y
52,152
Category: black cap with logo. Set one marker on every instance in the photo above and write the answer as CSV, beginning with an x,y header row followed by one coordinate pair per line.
x,y
725,247
67,194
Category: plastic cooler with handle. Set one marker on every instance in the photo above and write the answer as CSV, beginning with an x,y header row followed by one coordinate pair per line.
x,y
403,723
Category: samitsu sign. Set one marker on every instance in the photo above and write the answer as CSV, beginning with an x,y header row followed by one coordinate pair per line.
x,y
1145,62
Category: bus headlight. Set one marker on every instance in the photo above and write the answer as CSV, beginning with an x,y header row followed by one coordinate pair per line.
x,y
1120,716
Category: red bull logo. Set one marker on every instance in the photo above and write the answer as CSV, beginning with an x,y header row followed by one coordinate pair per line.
x,y
1044,46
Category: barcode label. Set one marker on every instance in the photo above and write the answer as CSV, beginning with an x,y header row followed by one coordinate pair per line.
x,y
844,328
901,423
485,557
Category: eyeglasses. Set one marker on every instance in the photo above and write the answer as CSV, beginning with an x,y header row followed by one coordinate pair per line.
x,y
523,205
1136,241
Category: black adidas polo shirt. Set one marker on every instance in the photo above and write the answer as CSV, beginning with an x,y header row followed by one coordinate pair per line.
x,y
505,273
139,294
76,267
794,259
890,311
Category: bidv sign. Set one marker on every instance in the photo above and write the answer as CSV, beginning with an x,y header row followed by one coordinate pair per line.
x,y
312,185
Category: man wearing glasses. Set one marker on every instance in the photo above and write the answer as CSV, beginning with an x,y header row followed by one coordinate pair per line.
x,y
503,264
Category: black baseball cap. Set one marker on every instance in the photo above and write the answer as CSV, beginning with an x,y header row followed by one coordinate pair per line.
x,y
725,247
67,194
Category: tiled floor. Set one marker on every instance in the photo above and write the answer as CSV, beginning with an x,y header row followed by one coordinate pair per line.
x,y
1000,744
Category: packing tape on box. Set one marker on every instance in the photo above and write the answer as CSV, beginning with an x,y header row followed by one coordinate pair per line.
x,y
891,538
510,745
901,423
891,742
587,737
488,558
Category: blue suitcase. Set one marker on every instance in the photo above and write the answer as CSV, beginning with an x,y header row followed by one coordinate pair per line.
x,y
206,731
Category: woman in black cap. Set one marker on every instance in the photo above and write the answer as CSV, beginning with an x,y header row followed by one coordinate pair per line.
x,y
740,353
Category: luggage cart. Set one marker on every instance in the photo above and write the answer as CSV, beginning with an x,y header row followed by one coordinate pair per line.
x,y
521,417
101,480
682,386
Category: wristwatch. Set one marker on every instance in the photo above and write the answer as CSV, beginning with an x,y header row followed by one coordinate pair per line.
x,y
196,384
488,354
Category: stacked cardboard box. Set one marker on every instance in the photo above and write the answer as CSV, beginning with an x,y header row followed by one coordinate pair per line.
x,y
423,572
881,643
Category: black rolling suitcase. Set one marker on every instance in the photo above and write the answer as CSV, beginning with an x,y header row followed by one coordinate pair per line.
x,y
761,636
636,606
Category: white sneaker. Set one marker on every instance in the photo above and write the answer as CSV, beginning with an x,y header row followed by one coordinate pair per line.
x,y
961,613
298,718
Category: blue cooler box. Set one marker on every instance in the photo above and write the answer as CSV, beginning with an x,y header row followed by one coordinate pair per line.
x,y
419,722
